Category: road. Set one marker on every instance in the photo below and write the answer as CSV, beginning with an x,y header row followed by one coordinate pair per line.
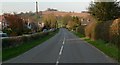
x,y
64,47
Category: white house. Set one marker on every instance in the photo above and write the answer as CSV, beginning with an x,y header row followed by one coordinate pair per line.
x,y
0,22
29,25
0,25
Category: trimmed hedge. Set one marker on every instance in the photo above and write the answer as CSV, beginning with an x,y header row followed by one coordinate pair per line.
x,y
15,41
81,29
115,32
90,31
108,31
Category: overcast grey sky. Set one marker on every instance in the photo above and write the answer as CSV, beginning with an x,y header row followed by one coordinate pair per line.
x,y
8,6
30,6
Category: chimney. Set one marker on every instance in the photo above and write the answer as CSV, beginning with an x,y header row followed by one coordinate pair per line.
x,y
36,7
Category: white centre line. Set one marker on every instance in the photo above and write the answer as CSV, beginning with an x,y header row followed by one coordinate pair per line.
x,y
64,41
61,49
57,62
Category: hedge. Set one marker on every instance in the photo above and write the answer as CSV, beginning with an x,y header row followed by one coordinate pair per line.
x,y
15,41
90,31
115,32
81,29
108,31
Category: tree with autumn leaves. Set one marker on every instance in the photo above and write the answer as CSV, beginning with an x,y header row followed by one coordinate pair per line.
x,y
50,21
15,25
74,23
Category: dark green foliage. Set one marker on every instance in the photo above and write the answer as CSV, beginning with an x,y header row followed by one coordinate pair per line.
x,y
107,30
7,30
105,11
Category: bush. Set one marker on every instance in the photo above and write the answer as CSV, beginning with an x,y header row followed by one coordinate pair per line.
x,y
11,42
115,32
108,31
102,30
15,41
90,31
81,29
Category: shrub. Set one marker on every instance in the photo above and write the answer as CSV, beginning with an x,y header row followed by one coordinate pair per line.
x,y
81,29
15,41
90,31
11,42
102,30
115,32
108,31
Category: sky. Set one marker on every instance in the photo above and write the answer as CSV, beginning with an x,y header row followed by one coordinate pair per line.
x,y
46,0
9,6
30,6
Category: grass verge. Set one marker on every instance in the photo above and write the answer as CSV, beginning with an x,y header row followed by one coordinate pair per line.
x,y
15,51
108,48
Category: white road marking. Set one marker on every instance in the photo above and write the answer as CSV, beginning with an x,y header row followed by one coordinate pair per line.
x,y
64,41
57,62
61,49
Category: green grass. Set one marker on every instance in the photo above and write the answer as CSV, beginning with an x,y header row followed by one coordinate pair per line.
x,y
108,48
15,51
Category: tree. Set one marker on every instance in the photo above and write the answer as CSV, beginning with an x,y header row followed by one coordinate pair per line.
x,y
105,10
71,25
49,9
50,21
15,23
66,19
74,23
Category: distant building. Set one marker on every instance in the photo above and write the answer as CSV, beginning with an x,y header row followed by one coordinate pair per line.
x,y
0,25
86,21
3,22
0,22
29,26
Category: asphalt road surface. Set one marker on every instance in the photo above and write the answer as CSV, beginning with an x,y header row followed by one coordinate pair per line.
x,y
64,47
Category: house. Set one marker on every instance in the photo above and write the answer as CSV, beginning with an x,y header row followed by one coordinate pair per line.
x,y
27,23
0,22
41,25
3,22
85,21
30,24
